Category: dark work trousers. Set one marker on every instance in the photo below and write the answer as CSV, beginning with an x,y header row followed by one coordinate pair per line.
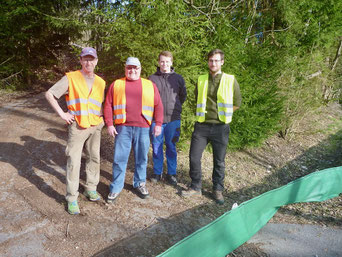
x,y
217,135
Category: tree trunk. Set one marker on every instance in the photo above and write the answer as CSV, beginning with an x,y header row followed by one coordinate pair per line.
x,y
338,54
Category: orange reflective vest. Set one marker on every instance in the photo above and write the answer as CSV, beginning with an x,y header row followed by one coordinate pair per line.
x,y
85,105
119,101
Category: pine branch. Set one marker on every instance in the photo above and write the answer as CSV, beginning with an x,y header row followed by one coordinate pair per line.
x,y
6,60
13,75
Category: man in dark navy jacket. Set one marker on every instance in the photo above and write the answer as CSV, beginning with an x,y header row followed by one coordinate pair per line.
x,y
172,91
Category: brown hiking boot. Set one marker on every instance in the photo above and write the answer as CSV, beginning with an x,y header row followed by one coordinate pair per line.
x,y
191,192
218,197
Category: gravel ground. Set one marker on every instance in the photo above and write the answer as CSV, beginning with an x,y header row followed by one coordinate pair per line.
x,y
33,216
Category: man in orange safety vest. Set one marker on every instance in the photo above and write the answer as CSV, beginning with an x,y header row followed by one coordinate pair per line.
x,y
84,94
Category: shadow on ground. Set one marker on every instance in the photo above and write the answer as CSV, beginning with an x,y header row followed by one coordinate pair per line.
x,y
159,237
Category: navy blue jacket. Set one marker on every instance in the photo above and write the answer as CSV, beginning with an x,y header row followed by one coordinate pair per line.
x,y
172,91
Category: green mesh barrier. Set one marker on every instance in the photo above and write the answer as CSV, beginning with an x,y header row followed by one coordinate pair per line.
x,y
235,227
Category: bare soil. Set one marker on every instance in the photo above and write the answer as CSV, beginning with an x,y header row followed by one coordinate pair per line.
x,y
33,216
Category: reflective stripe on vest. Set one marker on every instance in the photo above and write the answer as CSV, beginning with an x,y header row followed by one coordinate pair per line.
x,y
85,105
224,98
119,101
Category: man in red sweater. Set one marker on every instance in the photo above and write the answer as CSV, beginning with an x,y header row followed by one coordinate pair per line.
x,y
131,105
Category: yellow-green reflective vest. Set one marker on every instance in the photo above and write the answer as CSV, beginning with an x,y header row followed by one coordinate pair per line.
x,y
224,98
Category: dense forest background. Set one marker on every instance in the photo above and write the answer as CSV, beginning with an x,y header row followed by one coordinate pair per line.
x,y
284,53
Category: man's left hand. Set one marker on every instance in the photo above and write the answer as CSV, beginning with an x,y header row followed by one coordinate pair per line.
x,y
157,131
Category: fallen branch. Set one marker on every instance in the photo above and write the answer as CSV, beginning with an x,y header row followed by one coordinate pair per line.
x,y
314,75
67,230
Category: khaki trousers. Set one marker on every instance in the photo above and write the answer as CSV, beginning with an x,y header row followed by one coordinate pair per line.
x,y
78,138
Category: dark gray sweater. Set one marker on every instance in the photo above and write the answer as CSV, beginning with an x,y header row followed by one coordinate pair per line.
x,y
172,91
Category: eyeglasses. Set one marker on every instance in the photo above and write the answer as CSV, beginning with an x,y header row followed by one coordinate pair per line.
x,y
88,60
214,61
132,67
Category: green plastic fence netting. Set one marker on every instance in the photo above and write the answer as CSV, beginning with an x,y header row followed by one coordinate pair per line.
x,y
235,227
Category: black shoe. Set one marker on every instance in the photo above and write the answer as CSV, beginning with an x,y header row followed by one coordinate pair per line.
x,y
155,178
171,179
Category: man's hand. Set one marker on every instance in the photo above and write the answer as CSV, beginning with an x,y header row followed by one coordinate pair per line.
x,y
112,131
68,117
157,131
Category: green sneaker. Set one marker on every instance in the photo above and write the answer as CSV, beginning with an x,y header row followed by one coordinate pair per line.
x,y
73,208
92,195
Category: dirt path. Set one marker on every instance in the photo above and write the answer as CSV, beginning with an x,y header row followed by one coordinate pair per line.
x,y
33,217
34,221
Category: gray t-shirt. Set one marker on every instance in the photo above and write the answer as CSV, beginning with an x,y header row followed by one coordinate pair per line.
x,y
62,86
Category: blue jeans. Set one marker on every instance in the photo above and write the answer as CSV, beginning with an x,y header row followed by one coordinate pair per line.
x,y
127,137
171,132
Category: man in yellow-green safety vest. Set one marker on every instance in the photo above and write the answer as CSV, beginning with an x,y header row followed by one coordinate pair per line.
x,y
218,96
